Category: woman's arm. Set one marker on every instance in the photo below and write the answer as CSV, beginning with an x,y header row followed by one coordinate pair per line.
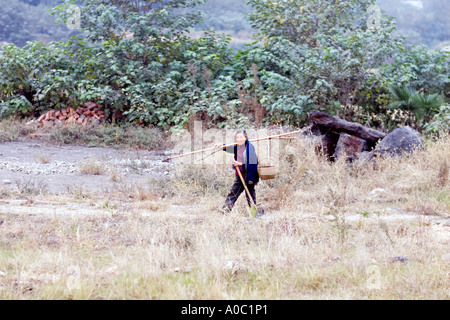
x,y
229,149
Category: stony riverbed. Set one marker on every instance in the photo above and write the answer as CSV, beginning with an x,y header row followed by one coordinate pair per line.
x,y
60,167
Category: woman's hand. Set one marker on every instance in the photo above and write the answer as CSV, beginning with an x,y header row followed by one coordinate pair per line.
x,y
217,146
237,163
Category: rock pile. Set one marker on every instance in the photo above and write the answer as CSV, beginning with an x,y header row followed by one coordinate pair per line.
x,y
89,113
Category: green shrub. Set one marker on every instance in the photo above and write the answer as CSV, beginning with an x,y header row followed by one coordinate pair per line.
x,y
440,121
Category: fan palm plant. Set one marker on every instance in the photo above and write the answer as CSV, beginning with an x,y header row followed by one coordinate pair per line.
x,y
421,105
426,105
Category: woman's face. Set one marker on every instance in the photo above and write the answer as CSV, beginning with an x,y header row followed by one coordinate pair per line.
x,y
240,139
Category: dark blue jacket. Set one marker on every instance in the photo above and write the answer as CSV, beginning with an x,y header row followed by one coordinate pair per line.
x,y
250,165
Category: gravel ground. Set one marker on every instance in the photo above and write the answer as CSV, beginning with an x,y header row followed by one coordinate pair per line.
x,y
59,167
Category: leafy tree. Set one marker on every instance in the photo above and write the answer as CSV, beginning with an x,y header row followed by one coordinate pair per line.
x,y
320,53
421,68
136,59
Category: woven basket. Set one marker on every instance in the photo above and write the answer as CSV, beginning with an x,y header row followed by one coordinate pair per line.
x,y
267,172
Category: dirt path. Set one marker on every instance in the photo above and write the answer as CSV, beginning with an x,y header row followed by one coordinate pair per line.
x,y
59,168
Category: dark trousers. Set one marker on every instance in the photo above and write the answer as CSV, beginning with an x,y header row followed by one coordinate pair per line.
x,y
236,191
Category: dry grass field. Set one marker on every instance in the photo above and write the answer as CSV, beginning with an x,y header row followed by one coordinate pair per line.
x,y
378,230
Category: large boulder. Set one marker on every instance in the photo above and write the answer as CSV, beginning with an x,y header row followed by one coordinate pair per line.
x,y
398,142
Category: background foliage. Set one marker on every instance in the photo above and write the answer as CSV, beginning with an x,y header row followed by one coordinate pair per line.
x,y
147,62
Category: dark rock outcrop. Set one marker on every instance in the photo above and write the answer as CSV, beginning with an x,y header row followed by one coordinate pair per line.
x,y
340,138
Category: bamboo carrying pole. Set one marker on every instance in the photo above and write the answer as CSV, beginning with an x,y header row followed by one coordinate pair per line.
x,y
253,209
245,185
232,144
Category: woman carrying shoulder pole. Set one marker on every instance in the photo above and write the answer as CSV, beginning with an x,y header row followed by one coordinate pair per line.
x,y
245,160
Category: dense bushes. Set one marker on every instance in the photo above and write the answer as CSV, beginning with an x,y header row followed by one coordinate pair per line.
x,y
139,63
